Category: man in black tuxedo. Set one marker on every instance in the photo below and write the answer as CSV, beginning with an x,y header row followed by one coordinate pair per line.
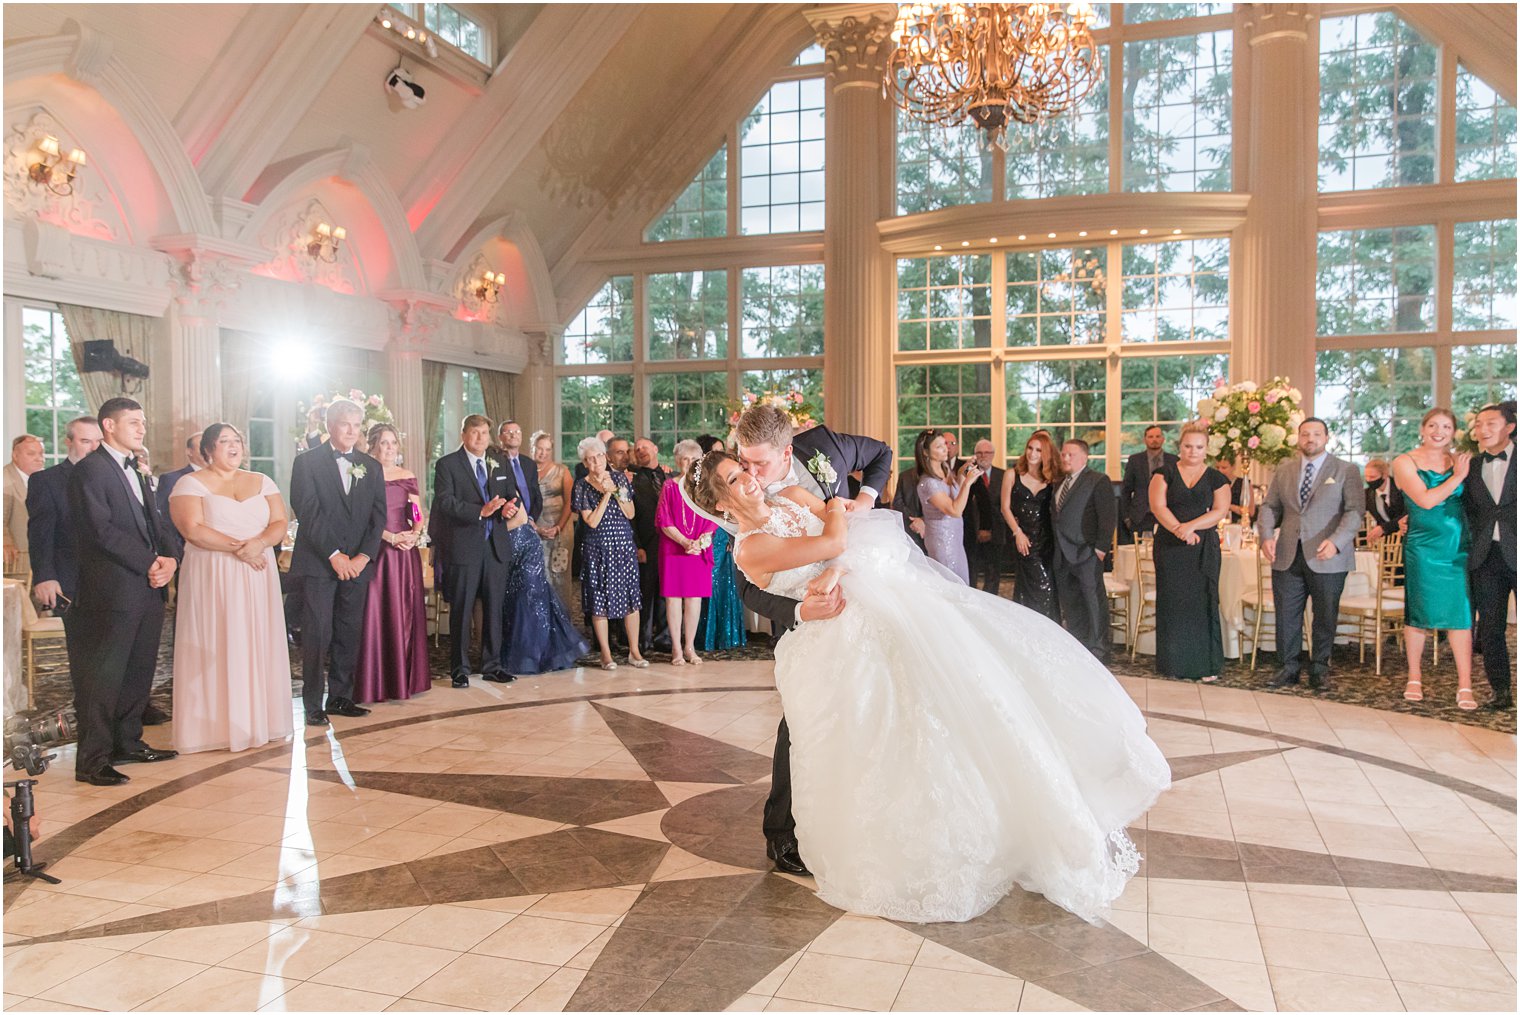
x,y
1489,499
986,529
50,531
906,503
820,461
474,493
125,563
1385,501
338,495
1083,515
1135,496
193,463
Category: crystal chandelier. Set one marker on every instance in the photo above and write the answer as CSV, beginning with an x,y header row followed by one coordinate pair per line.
x,y
991,63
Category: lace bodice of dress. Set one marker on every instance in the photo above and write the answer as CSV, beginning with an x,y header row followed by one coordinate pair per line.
x,y
789,520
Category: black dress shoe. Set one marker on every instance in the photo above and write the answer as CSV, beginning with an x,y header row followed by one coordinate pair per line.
x,y
462,680
317,717
144,756
342,706
1319,681
499,678
1284,679
786,858
105,775
1502,702
154,716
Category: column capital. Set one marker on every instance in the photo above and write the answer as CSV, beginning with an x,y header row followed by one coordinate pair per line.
x,y
542,338
856,40
415,316
1269,22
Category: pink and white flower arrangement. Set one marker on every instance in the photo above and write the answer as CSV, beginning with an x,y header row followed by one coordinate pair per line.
x,y
793,403
1251,421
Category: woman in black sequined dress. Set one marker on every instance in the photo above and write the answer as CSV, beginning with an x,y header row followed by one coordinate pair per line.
x,y
1026,494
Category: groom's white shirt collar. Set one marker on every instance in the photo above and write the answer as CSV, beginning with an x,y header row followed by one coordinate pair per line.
x,y
794,478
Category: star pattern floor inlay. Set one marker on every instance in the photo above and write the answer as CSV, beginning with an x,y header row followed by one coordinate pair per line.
x,y
586,842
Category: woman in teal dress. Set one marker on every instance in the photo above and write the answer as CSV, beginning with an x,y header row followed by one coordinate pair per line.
x,y
722,622
1435,552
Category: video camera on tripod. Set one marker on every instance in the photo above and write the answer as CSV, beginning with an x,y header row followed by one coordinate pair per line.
x,y
27,737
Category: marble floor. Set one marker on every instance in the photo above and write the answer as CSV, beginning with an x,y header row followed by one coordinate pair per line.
x,y
590,841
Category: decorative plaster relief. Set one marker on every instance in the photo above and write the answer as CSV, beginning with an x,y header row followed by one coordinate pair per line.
x,y
289,239
78,212
471,306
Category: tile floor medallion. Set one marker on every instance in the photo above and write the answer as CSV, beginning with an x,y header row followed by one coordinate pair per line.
x,y
590,841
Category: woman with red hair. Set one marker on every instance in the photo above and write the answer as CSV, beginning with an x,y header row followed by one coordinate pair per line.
x,y
1026,493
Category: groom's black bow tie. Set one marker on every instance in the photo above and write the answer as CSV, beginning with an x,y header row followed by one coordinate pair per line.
x,y
1502,456
129,463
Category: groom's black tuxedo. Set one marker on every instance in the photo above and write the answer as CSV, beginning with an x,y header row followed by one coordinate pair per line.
x,y
118,616
845,453
332,521
1490,562
477,555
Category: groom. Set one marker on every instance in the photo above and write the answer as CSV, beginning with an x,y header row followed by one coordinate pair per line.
x,y
820,461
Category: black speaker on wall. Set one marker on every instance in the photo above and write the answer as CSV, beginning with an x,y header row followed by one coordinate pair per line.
x,y
101,355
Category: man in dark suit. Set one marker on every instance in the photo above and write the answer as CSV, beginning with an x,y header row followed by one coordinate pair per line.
x,y
1083,515
524,470
50,532
1135,495
906,503
986,529
125,562
474,493
641,466
338,495
193,463
1489,499
820,461
1385,501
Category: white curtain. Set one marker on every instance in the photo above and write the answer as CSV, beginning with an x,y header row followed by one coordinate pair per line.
x,y
132,334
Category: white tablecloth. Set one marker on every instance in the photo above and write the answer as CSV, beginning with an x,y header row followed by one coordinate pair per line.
x,y
1237,575
15,686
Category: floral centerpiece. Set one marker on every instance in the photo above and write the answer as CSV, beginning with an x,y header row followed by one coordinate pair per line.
x,y
375,410
792,402
1464,441
1252,422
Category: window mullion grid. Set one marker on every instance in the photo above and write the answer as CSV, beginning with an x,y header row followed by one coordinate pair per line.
x,y
735,336
731,183
998,417
1113,334
640,351
1115,114
1446,116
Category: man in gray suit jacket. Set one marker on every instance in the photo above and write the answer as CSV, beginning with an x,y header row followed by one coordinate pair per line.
x,y
1308,527
1084,513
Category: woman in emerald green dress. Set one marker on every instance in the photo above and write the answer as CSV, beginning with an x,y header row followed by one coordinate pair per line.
x,y
1435,552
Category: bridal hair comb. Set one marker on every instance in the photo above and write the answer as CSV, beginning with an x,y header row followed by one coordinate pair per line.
x,y
696,474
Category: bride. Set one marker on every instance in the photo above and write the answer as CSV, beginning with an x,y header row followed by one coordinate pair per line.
x,y
947,744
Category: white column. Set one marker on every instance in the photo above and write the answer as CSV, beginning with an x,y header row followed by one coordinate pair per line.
x,y
403,395
194,345
535,386
857,272
1274,270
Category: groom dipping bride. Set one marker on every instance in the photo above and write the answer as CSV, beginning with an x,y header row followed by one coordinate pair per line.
x,y
948,744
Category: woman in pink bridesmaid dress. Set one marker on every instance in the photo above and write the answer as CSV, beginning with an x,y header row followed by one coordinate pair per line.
x,y
231,663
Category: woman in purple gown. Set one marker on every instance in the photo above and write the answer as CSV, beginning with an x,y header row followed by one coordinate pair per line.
x,y
393,650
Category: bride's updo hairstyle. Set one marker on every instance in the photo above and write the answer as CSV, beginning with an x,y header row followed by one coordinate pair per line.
x,y
702,482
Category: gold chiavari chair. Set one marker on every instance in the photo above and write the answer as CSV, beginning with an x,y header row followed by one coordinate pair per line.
x,y
1118,587
1380,612
1259,602
1145,598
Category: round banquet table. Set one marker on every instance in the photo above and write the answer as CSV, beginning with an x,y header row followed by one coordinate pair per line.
x,y
1237,575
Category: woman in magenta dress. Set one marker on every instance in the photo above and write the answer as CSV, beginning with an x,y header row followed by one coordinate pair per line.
x,y
686,559
393,658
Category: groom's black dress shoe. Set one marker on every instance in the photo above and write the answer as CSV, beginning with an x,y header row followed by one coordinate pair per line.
x,y
105,775
1284,679
317,717
786,858
461,680
147,754
1502,702
342,706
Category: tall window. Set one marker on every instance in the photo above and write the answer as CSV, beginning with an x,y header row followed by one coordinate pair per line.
x,y
54,394
1177,291
462,396
1373,398
939,167
806,381
1140,13
603,331
591,403
701,210
1377,103
1177,113
781,160
688,315
261,432
686,405
452,25
1066,397
943,395
1164,391
782,311
1067,154
1057,296
1483,273
1482,374
944,302
1485,131
1373,281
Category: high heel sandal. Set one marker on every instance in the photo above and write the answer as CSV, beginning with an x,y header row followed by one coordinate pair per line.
x,y
1468,703
1416,694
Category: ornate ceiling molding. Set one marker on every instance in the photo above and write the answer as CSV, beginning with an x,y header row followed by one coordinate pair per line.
x,y
289,237
82,211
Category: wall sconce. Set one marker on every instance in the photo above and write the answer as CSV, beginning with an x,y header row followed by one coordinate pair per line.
x,y
487,289
325,242
52,170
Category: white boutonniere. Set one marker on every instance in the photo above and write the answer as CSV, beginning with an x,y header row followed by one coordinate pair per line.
x,y
492,463
822,470
357,471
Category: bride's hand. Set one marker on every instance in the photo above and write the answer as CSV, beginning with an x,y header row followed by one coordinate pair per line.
x,y
824,583
838,505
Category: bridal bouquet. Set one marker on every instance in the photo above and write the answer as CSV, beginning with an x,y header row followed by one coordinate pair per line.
x,y
793,403
1251,421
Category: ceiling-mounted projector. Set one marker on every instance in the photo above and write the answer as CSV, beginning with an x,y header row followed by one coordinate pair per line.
x,y
400,82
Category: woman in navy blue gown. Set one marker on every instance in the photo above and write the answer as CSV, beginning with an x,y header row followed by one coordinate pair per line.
x,y
537,635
